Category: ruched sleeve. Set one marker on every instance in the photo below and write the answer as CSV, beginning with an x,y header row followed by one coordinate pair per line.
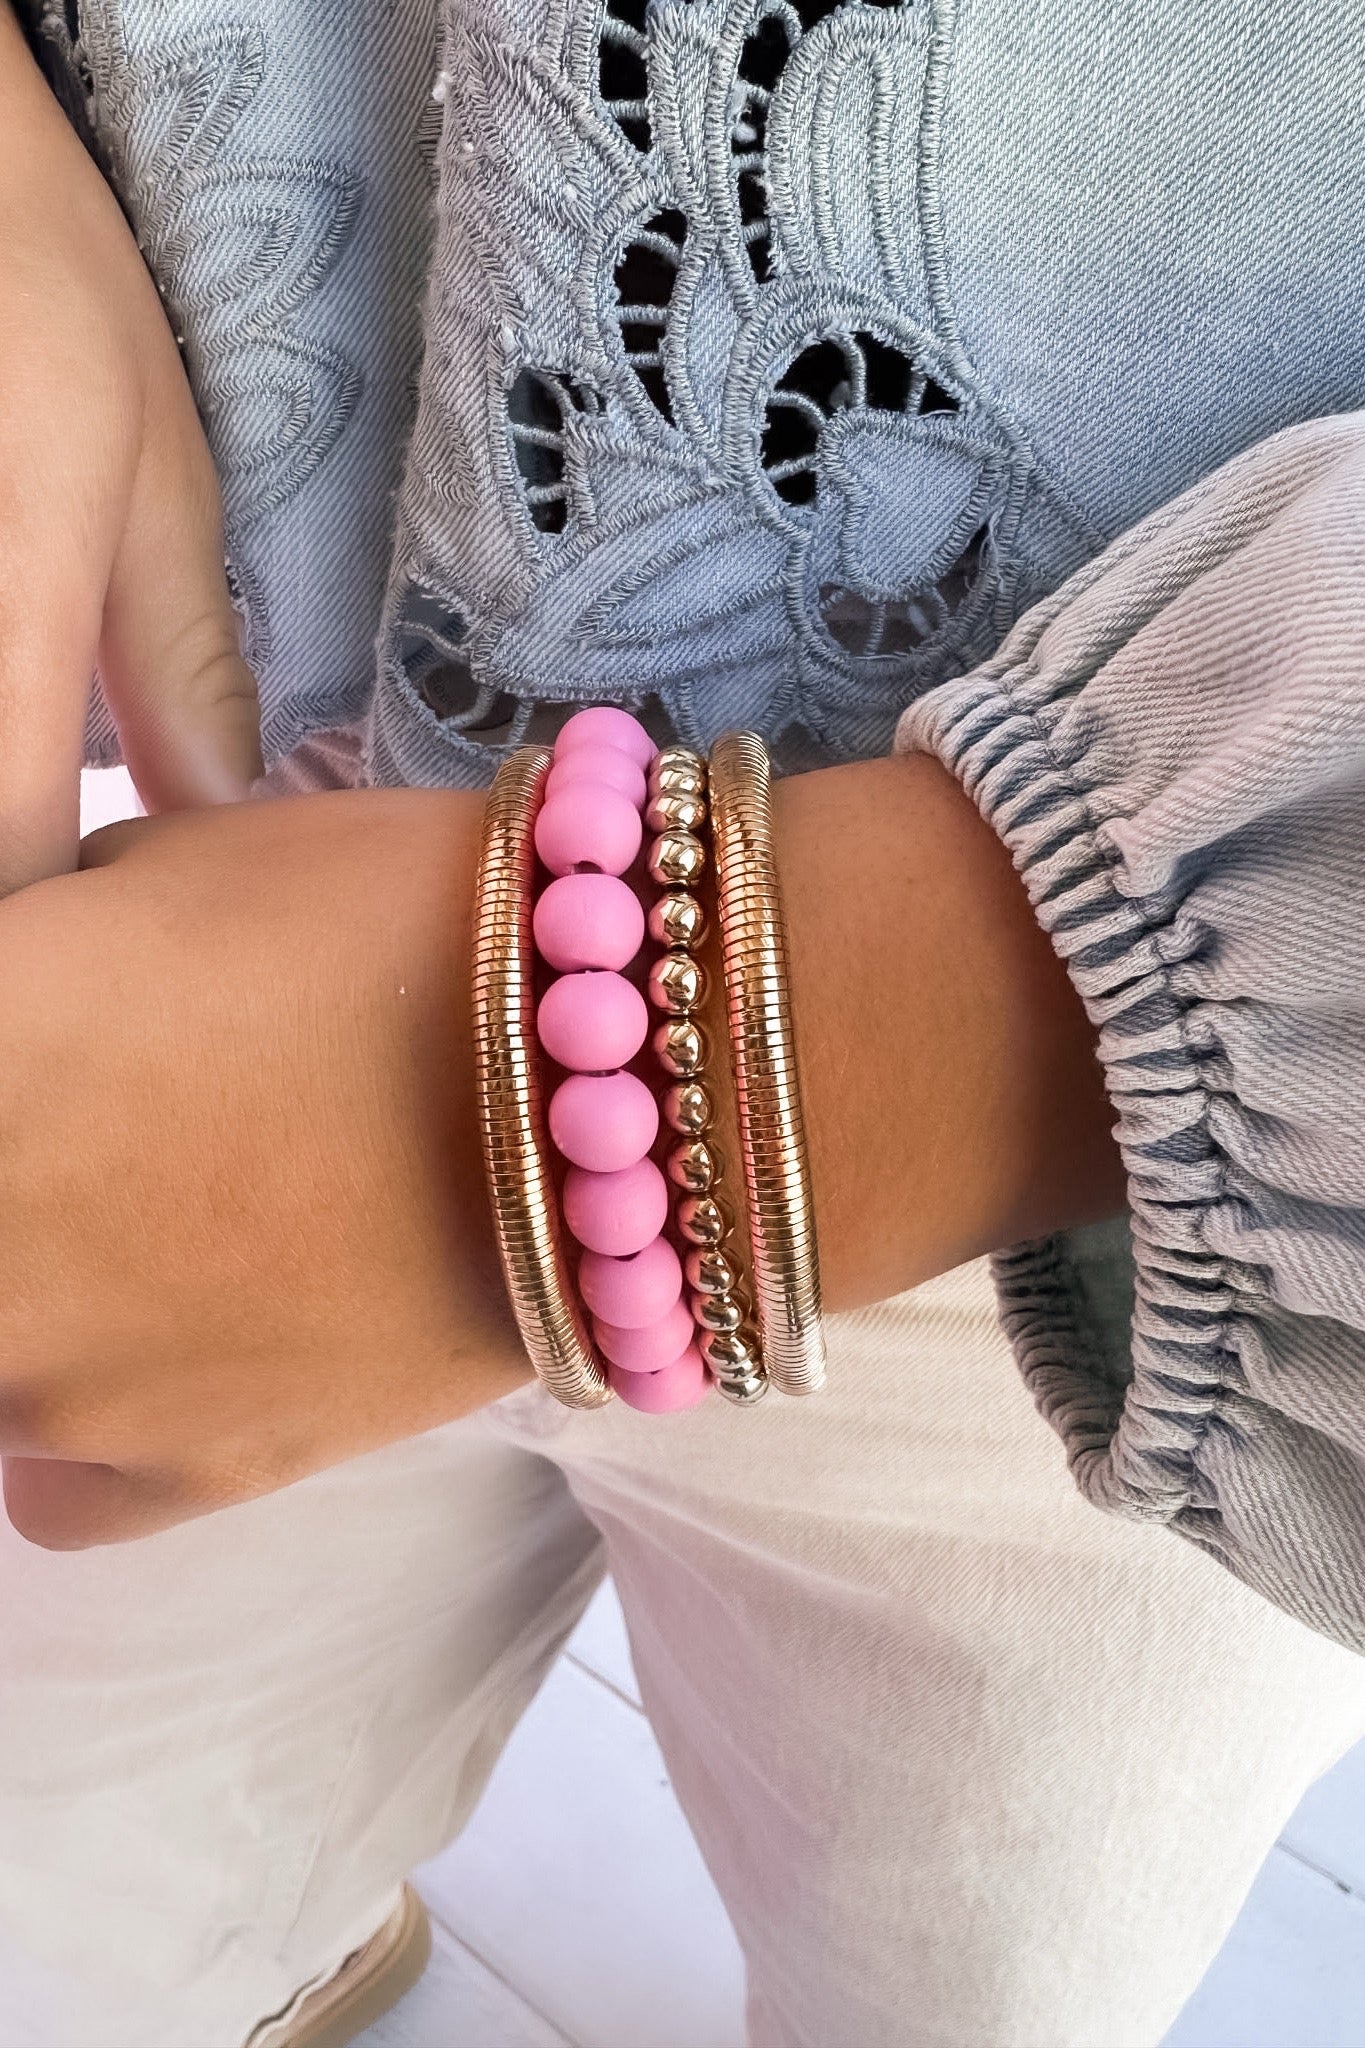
x,y
1173,749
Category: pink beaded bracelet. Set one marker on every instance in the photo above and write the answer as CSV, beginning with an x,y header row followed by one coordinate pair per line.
x,y
588,926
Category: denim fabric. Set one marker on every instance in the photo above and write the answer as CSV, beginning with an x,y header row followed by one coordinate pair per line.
x,y
771,389
1173,748
774,360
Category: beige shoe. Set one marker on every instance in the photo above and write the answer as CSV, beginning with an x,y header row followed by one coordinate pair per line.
x,y
367,1984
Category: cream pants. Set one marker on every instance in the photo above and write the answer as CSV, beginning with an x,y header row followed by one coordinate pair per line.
x,y
972,1765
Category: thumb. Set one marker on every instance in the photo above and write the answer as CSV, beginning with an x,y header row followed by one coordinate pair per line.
x,y
108,844
184,700
61,1505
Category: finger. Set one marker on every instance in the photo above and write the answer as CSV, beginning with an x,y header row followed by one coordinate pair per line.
x,y
101,848
184,700
59,1505
49,628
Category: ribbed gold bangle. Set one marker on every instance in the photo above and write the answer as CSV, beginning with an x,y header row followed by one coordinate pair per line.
x,y
511,1111
786,1271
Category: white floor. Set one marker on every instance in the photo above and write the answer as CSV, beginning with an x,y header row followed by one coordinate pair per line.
x,y
575,1912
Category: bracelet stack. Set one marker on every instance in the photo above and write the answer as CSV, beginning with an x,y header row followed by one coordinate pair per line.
x,y
655,1307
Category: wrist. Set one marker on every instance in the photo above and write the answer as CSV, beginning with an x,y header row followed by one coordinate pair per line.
x,y
953,1098
420,941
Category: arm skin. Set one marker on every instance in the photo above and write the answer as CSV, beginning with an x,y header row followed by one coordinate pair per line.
x,y
953,1096
243,1220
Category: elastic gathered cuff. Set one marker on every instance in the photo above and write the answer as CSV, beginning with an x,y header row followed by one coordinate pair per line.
x,y
1196,852
1135,1449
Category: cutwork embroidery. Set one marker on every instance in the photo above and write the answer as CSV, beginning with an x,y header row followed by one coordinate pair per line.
x,y
841,372
646,278
538,407
622,71
691,282
762,60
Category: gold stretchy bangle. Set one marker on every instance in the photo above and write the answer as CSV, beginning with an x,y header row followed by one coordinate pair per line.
x,y
507,1081
772,1134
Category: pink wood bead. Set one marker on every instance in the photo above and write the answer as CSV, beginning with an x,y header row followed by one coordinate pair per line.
x,y
680,1385
588,921
603,1121
617,1213
652,1348
635,1291
605,765
608,726
592,1023
588,825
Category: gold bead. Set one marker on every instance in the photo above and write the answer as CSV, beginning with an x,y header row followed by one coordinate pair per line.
x,y
710,1272
677,983
677,782
675,810
692,1166
743,1390
680,1047
676,858
702,1220
676,919
680,760
687,1108
719,1312
728,1353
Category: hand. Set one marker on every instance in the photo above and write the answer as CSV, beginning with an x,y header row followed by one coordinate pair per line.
x,y
111,550
243,1227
